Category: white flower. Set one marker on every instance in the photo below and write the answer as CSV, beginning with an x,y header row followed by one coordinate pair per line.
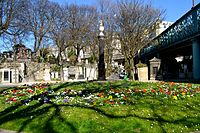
x,y
67,97
121,102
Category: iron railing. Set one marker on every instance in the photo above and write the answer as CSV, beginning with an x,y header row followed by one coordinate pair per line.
x,y
185,28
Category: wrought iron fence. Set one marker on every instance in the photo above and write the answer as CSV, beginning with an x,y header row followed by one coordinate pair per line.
x,y
187,27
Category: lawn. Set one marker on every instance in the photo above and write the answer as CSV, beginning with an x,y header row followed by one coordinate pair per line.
x,y
109,107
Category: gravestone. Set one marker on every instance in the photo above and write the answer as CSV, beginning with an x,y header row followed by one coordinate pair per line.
x,y
72,71
66,74
154,68
142,71
113,77
47,75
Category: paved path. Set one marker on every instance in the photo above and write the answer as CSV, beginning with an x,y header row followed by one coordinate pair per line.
x,y
8,85
8,131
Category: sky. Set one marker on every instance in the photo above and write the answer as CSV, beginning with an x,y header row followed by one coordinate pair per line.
x,y
174,8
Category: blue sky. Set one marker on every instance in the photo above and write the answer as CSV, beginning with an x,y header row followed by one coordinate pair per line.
x,y
174,8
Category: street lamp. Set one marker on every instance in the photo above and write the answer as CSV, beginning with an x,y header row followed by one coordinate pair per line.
x,y
101,64
192,3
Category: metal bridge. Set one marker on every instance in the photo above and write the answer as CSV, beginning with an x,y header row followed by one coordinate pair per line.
x,y
185,31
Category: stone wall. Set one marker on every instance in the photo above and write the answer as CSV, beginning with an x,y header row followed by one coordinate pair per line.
x,y
37,72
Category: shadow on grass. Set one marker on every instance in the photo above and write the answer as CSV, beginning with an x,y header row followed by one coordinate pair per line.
x,y
37,110
31,112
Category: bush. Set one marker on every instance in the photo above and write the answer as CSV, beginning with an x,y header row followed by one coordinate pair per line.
x,y
140,64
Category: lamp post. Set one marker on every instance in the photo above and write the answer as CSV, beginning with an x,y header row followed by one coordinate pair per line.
x,y
101,64
192,3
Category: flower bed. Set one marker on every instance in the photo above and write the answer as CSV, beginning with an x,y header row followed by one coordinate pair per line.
x,y
94,107
113,96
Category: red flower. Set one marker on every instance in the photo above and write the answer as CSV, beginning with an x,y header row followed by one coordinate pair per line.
x,y
136,90
144,90
112,102
30,90
168,92
15,91
153,90
172,83
105,101
13,99
100,94
189,85
161,90
20,94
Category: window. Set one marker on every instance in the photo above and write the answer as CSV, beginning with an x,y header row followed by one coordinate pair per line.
x,y
155,70
6,75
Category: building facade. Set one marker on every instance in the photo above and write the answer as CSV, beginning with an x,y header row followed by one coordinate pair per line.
x,y
13,67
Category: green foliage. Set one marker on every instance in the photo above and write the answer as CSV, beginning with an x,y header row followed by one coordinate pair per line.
x,y
53,60
140,64
71,53
55,68
72,57
44,55
92,59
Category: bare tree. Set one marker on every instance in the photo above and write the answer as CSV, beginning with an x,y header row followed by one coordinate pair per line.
x,y
11,17
6,13
38,20
136,25
71,29
81,21
15,30
59,33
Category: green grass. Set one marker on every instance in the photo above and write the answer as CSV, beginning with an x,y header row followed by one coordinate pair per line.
x,y
141,112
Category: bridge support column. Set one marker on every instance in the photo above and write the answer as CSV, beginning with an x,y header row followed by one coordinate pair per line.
x,y
196,59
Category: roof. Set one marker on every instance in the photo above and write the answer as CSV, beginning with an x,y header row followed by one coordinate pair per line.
x,y
154,60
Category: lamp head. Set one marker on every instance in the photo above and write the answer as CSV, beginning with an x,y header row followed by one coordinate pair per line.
x,y
101,28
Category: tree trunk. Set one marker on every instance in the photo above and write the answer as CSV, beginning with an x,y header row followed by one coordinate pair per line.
x,y
61,73
78,52
35,43
132,68
61,67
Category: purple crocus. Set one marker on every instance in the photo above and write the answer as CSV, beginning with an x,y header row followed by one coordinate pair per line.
x,y
66,100
46,100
